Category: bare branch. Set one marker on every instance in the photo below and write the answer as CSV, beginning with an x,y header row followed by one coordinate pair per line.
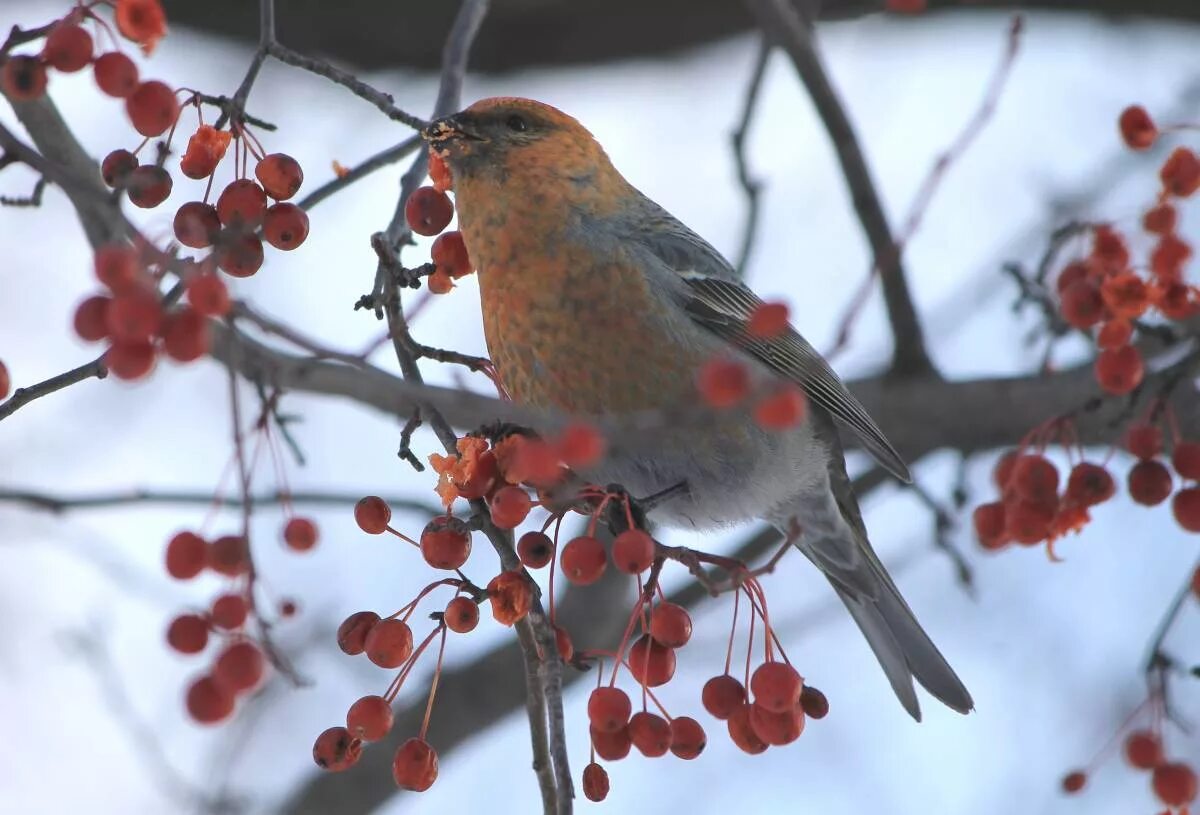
x,y
59,503
23,396
750,186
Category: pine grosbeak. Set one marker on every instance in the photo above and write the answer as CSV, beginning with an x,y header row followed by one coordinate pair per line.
x,y
596,301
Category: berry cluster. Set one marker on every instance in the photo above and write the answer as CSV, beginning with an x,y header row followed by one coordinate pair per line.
x,y
1173,782
1108,292
429,211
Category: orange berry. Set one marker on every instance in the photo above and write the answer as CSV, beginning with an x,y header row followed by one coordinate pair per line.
x,y
670,625
1144,440
535,549
129,360
280,175
1119,370
509,505
608,709
117,166
135,315
300,534
148,186
1169,256
142,21
285,226
511,597
369,718
197,224
1027,522
242,203
186,335
777,728
611,746
352,633
440,282
229,555
580,446
205,149
1035,478
566,649
651,663
776,686
240,254
229,611
188,633
116,266
439,173
633,551
723,382
446,542
389,643
449,254
1126,295
461,615
583,560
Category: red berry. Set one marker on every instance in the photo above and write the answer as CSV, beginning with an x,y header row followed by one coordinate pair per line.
x,y
1137,128
129,360
23,77
440,282
650,663
370,718
240,254
280,175
336,750
300,534
1090,484
186,335
650,734
208,702
511,597
1180,173
389,643
1186,508
815,705
990,524
449,254
608,709
723,382
240,667
1119,371
439,173
117,267
1143,750
152,108
566,648
285,226
1149,483
1073,782
1035,479
670,625
535,549
242,203
1144,441
446,542
117,166
1167,259
1114,334
583,560
352,633
116,74
595,782
188,633
187,555
1027,522
197,225
1004,469
509,506
68,48
372,514
722,695
776,686
148,186
5,381
768,321
1186,460
1082,305
415,766
229,611
461,615
428,211
781,410
611,746
687,738
135,315
1160,219
777,728
91,318
1174,784
1126,295
208,295
741,731
229,555
633,551
580,445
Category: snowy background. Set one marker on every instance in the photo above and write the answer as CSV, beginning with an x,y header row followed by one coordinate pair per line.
x,y
1052,654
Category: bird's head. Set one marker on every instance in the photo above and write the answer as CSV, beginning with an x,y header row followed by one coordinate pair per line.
x,y
509,140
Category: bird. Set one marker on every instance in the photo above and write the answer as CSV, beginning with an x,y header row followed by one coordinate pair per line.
x,y
598,302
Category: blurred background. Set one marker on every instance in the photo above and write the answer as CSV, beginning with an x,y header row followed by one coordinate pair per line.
x,y
92,697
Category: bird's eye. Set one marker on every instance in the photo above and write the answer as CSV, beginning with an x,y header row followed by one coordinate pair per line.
x,y
516,123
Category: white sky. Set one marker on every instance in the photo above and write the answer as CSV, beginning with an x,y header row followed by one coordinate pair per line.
x,y
1051,653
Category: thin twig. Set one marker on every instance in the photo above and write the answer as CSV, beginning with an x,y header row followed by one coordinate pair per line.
x,y
405,452
752,187
381,159
23,396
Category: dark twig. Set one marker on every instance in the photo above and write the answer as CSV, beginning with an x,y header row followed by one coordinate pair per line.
x,y
20,36
381,159
752,187
405,452
23,396
944,525
779,20
34,199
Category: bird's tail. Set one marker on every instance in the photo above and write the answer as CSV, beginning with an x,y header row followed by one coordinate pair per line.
x,y
902,647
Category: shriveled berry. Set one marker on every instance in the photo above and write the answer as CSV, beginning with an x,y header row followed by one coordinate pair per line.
x,y
741,731
415,765
583,560
129,360
352,633
23,77
205,149
650,734
511,597
68,48
188,633
372,514
280,175
369,718
300,534
461,615
242,203
446,542
595,782
152,108
116,74
240,667
776,686
651,663
229,555
229,611
240,254
187,555
285,226
148,186
186,335
197,225
670,625
609,709
633,551
208,701
336,750
428,211
1149,483
722,695
117,166
814,703
535,549
389,643
449,254
509,506
91,318
688,739
1186,508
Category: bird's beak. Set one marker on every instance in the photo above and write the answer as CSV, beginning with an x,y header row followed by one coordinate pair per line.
x,y
450,128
